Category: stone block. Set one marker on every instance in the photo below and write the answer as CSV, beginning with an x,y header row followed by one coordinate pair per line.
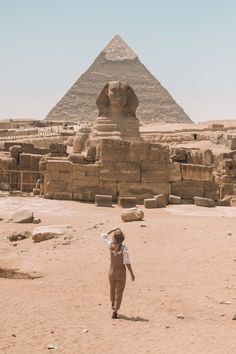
x,y
139,151
159,152
226,201
229,179
88,193
63,195
205,202
77,159
228,188
126,171
158,171
127,202
59,170
57,149
113,150
132,214
36,191
143,190
103,200
196,172
211,190
161,200
188,189
150,203
174,199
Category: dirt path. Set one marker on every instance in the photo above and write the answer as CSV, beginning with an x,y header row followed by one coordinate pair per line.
x,y
184,262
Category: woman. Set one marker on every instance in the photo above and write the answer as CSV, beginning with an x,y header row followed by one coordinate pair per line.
x,y
119,261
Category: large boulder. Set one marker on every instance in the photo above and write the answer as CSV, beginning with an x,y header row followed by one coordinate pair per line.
x,y
132,214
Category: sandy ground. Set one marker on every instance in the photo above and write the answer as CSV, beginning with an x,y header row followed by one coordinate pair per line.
x,y
184,262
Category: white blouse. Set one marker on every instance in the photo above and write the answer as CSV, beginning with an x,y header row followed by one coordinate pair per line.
x,y
105,239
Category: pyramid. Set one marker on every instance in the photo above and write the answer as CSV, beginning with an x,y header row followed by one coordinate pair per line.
x,y
118,62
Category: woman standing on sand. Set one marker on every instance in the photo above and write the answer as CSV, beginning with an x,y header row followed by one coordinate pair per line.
x,y
119,261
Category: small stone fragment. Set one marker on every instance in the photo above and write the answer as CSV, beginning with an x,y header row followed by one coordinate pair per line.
x,y
234,318
36,221
180,316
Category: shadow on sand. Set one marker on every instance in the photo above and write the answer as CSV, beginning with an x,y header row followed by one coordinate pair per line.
x,y
134,319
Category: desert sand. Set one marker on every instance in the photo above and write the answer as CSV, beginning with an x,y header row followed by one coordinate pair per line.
x,y
184,260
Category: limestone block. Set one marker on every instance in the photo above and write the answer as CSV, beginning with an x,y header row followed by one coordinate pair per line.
x,y
188,189
150,203
178,155
196,172
143,190
59,170
227,166
88,193
229,179
36,191
205,202
84,181
63,195
226,201
127,202
77,159
228,188
15,150
161,200
139,151
58,149
126,171
232,144
113,150
211,190
86,170
174,199
159,152
103,200
155,171
132,214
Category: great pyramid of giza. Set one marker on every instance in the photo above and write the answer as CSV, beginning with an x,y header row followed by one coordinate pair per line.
x,y
118,62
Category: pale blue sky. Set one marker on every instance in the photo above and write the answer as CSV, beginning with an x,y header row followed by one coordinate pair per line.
x,y
188,45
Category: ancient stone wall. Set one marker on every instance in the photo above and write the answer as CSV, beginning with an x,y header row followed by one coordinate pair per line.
x,y
125,168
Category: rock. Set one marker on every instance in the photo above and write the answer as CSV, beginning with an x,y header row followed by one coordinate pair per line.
x,y
229,233
103,200
127,202
226,201
36,191
150,203
174,199
205,202
1,219
234,318
180,316
161,200
17,236
36,221
52,346
43,233
23,216
132,214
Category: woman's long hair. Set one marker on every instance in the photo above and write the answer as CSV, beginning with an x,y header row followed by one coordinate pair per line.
x,y
117,238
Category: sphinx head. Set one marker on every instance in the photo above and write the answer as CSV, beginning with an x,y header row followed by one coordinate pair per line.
x,y
117,97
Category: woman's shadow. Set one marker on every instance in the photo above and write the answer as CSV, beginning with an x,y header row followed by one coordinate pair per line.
x,y
134,319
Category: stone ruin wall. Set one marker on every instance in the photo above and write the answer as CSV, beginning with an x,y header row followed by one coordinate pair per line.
x,y
126,169
120,168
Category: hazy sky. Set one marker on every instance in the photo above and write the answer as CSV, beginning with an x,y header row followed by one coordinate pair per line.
x,y
189,45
